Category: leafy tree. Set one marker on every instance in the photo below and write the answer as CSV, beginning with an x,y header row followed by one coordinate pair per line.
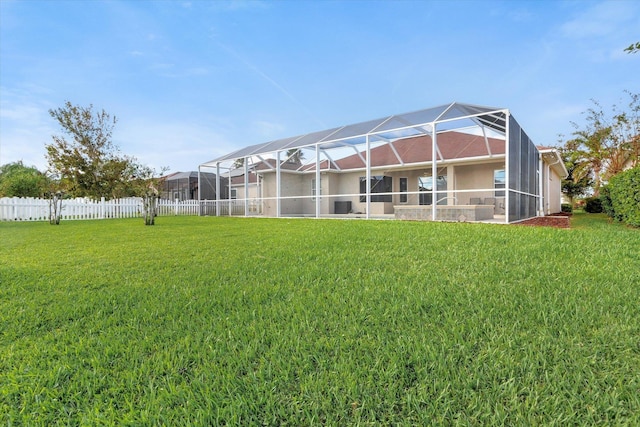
x,y
86,162
608,143
633,48
18,180
578,181
145,183
239,163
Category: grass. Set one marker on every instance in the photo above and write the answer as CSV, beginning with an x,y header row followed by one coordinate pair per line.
x,y
237,321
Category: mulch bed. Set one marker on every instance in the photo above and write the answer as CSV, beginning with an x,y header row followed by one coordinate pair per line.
x,y
559,220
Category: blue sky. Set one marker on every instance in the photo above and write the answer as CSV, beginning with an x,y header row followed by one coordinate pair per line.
x,y
192,80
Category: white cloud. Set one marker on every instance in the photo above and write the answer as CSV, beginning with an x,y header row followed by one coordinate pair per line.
x,y
603,19
179,145
25,125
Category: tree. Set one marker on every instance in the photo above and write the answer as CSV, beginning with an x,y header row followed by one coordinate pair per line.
x,y
18,180
238,163
633,48
578,181
608,143
55,207
294,155
145,183
88,163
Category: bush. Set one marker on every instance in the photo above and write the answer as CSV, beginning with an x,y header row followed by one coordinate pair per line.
x,y
607,203
566,207
624,191
593,205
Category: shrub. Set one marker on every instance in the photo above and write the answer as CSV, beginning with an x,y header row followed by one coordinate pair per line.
x,y
593,205
624,191
607,204
566,207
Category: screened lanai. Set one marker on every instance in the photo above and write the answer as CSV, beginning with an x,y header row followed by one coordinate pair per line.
x,y
454,162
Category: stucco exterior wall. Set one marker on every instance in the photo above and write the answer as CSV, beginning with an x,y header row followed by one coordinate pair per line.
x,y
472,177
552,191
291,186
253,191
336,186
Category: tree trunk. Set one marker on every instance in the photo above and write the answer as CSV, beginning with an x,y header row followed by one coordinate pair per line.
x,y
150,209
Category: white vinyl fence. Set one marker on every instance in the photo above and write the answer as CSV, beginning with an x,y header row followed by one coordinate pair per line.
x,y
30,209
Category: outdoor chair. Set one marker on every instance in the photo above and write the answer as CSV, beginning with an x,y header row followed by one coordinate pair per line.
x,y
475,201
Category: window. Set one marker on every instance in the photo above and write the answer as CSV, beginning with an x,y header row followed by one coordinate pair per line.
x,y
425,187
499,182
403,190
234,193
379,184
313,188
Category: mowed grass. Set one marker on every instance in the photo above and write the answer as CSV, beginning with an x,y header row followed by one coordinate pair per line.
x,y
238,321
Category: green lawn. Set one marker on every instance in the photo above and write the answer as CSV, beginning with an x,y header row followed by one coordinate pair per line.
x,y
237,321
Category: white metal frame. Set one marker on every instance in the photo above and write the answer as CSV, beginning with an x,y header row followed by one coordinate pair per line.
x,y
331,139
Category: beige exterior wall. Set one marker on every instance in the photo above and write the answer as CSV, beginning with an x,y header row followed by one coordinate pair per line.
x,y
552,191
253,191
291,186
472,177
346,187
327,182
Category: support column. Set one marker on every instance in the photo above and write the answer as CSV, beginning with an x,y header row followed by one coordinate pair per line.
x,y
199,194
246,187
229,200
318,186
368,178
278,183
541,191
218,189
507,181
547,208
452,198
434,172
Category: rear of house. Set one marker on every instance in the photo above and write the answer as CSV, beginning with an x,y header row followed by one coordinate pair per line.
x,y
486,169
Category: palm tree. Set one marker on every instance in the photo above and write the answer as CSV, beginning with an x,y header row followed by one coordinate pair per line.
x,y
294,155
607,145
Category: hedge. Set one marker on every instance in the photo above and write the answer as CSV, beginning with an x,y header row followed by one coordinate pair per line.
x,y
624,191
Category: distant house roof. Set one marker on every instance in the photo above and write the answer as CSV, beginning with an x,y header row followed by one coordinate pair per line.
x,y
186,175
237,175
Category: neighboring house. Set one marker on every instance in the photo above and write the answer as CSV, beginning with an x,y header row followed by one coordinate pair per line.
x,y
184,186
487,170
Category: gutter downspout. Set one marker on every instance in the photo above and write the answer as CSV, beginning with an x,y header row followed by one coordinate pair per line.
x,y
246,187
434,173
199,203
218,189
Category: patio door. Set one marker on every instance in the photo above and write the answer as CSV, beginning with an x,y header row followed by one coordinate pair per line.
x,y
425,187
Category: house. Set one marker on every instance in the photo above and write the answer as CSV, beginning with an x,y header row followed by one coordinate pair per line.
x,y
189,185
455,162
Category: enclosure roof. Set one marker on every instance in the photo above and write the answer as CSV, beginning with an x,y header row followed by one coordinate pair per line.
x,y
391,127
184,175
